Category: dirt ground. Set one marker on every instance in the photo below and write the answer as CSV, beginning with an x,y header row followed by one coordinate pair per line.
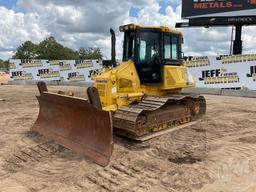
x,y
4,78
217,154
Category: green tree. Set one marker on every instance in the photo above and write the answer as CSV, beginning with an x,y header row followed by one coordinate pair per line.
x,y
4,65
27,50
90,53
70,54
52,50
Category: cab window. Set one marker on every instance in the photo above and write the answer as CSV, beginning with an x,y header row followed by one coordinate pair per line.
x,y
129,44
149,47
171,47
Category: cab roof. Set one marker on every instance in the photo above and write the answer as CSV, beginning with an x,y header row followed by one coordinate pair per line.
x,y
132,26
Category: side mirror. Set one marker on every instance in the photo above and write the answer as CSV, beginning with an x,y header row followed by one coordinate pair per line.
x,y
181,40
182,55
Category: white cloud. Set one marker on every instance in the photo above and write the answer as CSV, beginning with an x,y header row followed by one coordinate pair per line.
x,y
249,39
198,41
82,23
16,28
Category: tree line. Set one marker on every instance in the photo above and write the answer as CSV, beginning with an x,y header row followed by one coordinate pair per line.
x,y
53,50
4,65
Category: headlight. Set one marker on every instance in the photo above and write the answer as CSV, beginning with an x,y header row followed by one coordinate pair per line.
x,y
189,77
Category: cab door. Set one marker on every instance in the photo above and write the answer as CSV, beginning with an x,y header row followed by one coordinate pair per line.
x,y
148,61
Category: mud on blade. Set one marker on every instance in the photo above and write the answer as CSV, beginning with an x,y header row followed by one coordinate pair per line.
x,y
75,124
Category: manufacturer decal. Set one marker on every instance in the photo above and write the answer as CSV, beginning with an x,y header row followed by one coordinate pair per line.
x,y
218,76
28,63
64,66
21,75
54,62
80,64
48,73
252,73
75,76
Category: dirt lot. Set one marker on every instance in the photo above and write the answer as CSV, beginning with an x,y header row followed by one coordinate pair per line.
x,y
4,78
215,154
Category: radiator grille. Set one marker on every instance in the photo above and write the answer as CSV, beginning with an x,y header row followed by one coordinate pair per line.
x,y
101,89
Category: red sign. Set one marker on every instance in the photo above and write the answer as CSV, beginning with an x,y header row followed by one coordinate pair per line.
x,y
218,8
253,2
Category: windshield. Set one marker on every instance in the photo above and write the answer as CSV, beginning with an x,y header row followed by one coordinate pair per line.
x,y
149,47
144,47
150,50
129,44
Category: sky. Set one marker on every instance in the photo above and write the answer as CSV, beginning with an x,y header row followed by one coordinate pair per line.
x,y
86,23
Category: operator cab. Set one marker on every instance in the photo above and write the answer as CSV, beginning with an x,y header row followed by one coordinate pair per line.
x,y
151,48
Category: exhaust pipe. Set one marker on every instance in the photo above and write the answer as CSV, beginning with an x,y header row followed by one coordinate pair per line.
x,y
113,47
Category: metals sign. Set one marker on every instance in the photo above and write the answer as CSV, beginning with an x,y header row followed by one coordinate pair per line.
x,y
218,8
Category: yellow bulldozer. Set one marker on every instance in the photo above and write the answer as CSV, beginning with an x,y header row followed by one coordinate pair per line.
x,y
137,97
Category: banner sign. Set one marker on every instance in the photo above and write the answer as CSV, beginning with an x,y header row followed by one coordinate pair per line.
x,y
56,70
236,71
219,21
218,8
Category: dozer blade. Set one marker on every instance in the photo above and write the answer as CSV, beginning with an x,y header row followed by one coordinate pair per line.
x,y
75,124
